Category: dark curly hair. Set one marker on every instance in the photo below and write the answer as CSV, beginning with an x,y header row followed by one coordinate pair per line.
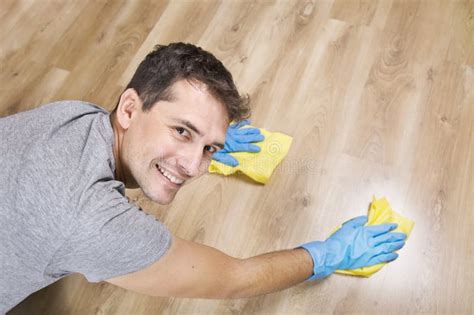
x,y
168,64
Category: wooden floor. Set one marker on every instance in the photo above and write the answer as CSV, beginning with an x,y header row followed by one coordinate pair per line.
x,y
378,95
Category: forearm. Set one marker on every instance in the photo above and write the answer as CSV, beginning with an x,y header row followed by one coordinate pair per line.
x,y
271,272
195,270
206,272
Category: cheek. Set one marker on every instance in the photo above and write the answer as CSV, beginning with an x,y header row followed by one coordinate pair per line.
x,y
165,147
203,168
139,150
152,142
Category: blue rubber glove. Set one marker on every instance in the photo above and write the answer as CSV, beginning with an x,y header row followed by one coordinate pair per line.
x,y
354,246
238,139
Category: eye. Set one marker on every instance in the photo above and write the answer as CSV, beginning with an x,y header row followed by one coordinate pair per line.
x,y
182,131
210,149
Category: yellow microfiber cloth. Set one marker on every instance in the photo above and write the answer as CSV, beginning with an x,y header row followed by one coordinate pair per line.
x,y
258,166
381,212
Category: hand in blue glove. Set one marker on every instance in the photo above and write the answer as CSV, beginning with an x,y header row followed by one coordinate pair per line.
x,y
354,246
238,139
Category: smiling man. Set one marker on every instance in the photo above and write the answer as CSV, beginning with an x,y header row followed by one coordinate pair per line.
x,y
65,167
169,144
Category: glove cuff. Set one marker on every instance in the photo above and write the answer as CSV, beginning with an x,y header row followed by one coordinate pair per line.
x,y
319,253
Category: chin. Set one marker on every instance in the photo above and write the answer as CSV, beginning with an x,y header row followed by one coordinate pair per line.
x,y
157,191
163,202
159,198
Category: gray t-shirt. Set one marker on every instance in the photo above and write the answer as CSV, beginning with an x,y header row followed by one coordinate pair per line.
x,y
61,210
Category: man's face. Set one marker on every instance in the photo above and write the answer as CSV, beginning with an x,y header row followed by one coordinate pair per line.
x,y
172,143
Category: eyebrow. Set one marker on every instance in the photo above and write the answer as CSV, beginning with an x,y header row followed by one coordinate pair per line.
x,y
193,128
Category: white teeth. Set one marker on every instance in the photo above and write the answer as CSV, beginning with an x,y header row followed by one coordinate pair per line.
x,y
170,177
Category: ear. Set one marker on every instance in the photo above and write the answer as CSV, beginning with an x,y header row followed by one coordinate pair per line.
x,y
128,107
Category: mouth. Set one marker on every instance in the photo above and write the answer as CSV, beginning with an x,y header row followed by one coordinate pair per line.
x,y
169,177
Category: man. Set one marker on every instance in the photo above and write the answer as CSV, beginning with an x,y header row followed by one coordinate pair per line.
x,y
65,167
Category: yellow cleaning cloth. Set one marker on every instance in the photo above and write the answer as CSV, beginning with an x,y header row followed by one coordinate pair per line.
x,y
380,212
258,166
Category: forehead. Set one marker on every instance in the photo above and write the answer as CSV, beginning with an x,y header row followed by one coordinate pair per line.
x,y
191,101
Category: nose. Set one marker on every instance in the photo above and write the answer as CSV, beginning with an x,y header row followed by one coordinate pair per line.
x,y
190,163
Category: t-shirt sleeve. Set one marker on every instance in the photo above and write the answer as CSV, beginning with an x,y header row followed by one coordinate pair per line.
x,y
113,238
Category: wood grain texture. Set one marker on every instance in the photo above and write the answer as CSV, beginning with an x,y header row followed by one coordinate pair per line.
x,y
378,95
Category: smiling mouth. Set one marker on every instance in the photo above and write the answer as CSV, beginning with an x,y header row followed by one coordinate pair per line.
x,y
168,176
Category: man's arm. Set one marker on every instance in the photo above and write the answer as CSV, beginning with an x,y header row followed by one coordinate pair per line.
x,y
194,270
273,272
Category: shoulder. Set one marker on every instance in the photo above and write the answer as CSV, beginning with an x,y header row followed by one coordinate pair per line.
x,y
72,107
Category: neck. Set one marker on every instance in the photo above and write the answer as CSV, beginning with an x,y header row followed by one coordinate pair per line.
x,y
118,138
